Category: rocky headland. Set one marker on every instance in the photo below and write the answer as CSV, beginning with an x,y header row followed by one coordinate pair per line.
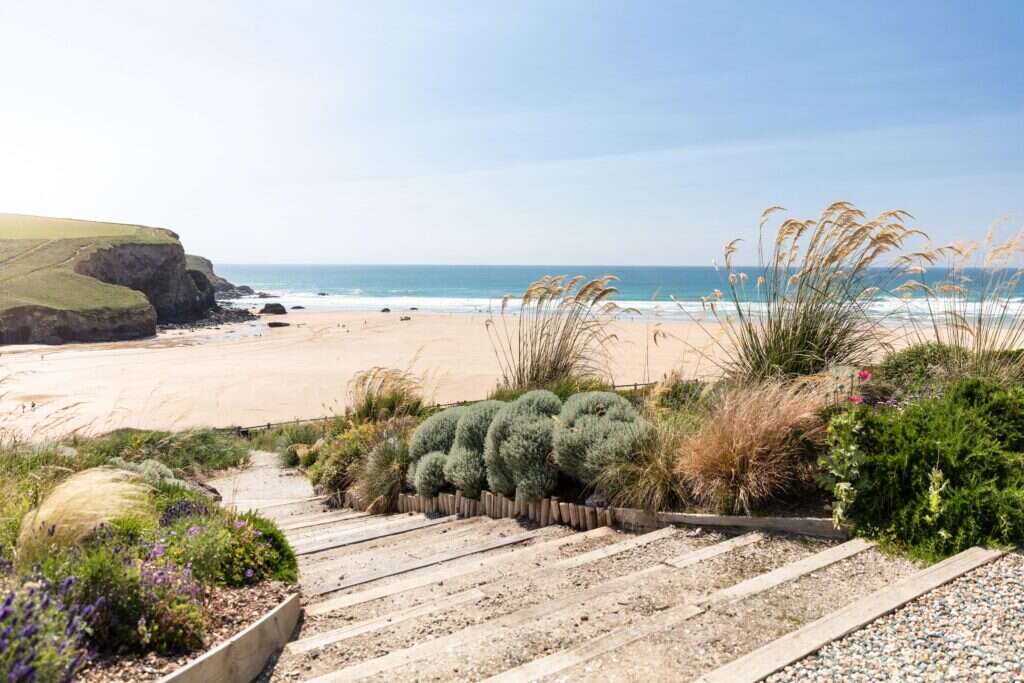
x,y
65,280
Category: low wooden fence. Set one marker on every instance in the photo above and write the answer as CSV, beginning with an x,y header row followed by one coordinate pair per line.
x,y
246,431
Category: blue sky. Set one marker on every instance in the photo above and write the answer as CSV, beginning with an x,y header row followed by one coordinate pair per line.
x,y
508,132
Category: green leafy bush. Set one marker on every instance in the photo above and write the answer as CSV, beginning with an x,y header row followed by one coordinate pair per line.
x,y
518,447
938,476
465,467
282,564
336,467
50,633
917,367
137,604
231,551
430,474
595,430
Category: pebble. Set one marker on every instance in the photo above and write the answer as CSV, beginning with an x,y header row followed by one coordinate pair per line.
x,y
970,629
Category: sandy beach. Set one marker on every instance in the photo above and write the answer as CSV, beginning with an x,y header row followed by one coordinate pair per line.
x,y
248,374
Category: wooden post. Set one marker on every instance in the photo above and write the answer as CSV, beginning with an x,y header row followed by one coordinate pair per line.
x,y
563,513
458,502
609,517
545,511
591,518
573,516
489,503
554,518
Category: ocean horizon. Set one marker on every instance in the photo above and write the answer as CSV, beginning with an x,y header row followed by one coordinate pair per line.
x,y
662,291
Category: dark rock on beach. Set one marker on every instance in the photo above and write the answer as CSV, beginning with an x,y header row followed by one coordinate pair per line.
x,y
385,310
222,315
298,308
273,309
276,323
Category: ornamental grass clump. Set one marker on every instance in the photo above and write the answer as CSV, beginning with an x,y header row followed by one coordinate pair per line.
x,y
383,474
559,334
975,321
651,479
806,310
383,393
465,467
519,445
80,504
757,444
594,430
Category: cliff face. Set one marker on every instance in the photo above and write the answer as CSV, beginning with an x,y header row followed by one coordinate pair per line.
x,y
65,280
205,266
41,325
158,271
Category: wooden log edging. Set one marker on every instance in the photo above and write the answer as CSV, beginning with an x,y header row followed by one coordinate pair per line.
x,y
587,517
242,657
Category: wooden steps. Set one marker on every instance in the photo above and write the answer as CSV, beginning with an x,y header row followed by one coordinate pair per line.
x,y
373,582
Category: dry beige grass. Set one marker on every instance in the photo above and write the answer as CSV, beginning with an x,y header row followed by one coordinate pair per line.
x,y
560,332
381,392
651,480
81,503
806,308
975,309
753,446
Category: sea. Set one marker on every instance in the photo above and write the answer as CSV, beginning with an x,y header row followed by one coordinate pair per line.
x,y
661,291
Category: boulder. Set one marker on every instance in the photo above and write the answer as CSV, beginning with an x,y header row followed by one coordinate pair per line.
x,y
273,309
385,310
275,323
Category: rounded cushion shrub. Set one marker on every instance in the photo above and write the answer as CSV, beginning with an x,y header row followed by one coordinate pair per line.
x,y
430,474
436,433
594,430
518,446
465,467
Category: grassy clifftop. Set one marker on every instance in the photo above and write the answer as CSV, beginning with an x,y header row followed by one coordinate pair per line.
x,y
73,280
38,257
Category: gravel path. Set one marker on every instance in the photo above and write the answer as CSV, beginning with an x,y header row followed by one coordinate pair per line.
x,y
970,629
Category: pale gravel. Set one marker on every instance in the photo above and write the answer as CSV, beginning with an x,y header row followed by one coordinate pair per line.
x,y
970,629
505,594
726,632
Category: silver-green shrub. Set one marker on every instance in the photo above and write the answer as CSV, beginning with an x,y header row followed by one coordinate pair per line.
x,y
436,433
594,430
518,446
465,467
430,474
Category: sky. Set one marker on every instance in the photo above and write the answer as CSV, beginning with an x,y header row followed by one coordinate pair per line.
x,y
492,132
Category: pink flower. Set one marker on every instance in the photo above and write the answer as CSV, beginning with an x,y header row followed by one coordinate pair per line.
x,y
856,399
864,375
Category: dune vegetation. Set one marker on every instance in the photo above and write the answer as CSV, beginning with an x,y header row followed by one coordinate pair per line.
x,y
808,416
110,549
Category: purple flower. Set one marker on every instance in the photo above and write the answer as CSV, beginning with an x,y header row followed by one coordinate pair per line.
x,y
239,524
194,531
248,573
158,551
